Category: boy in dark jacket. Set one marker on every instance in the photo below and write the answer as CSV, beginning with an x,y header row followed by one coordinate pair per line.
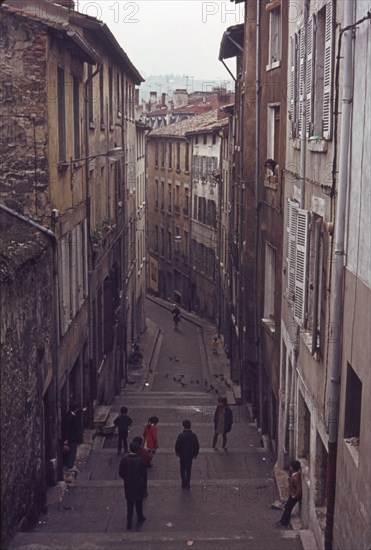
x,y
123,422
186,448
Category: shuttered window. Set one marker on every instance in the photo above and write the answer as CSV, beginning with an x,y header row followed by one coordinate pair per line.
x,y
291,217
327,91
301,261
293,84
301,80
310,76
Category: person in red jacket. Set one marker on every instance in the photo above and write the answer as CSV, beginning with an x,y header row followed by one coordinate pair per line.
x,y
150,436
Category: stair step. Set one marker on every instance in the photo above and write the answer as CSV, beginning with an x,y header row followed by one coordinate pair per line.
x,y
101,414
109,426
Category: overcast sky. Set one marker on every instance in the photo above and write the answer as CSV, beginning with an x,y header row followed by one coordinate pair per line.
x,y
169,36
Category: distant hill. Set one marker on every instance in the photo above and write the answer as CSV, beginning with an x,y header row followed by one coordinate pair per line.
x,y
169,83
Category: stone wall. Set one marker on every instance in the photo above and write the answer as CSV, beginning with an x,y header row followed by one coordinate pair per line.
x,y
23,104
26,305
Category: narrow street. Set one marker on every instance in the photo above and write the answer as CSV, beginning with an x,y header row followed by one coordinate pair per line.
x,y
228,505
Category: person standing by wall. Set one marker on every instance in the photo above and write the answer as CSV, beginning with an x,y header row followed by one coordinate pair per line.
x,y
223,420
73,435
295,494
186,448
134,473
123,423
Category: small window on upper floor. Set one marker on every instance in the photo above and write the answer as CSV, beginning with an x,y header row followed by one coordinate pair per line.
x,y
274,50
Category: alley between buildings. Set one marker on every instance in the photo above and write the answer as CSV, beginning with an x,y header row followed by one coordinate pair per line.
x,y
229,503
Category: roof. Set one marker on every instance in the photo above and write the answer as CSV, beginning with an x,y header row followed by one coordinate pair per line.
x,y
232,42
207,122
94,24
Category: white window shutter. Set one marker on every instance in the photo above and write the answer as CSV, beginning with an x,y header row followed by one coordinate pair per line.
x,y
293,91
310,79
327,81
301,265
301,79
292,210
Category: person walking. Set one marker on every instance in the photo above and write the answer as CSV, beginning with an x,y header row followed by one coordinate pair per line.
x,y
134,473
144,455
73,435
150,436
215,345
176,316
187,448
223,420
123,423
295,494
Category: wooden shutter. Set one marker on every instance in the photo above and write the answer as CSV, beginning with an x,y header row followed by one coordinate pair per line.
x,y
301,264
310,74
293,81
64,284
292,209
301,80
327,81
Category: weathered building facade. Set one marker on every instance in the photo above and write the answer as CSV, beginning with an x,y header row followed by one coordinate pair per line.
x,y
302,217
69,142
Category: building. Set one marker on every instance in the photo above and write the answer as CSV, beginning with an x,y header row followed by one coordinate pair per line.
x,y
302,216
180,171
68,158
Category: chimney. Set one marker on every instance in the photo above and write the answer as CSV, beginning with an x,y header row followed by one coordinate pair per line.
x,y
163,99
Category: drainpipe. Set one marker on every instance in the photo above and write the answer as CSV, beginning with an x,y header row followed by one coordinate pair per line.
x,y
257,207
291,407
337,301
89,251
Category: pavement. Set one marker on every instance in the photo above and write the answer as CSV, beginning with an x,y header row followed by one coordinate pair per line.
x,y
229,505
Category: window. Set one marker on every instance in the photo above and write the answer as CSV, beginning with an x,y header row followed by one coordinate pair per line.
x,y
156,153
273,134
162,194
297,222
196,140
110,96
205,139
274,33
163,154
353,407
169,244
214,139
90,95
118,94
177,199
178,157
186,205
315,283
61,98
169,196
211,213
186,159
269,281
101,96
156,193
319,73
156,238
76,117
170,155
108,319
162,243
194,215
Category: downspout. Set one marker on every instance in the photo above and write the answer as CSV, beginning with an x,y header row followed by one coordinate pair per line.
x,y
89,251
257,208
291,407
51,235
337,300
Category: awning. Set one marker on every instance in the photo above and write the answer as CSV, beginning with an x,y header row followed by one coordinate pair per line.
x,y
232,42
